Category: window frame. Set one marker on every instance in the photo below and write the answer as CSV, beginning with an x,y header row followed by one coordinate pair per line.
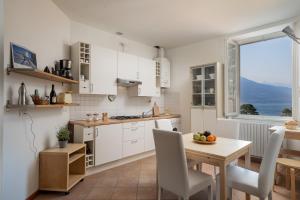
x,y
254,39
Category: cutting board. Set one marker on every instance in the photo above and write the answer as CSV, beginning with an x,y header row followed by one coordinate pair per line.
x,y
155,110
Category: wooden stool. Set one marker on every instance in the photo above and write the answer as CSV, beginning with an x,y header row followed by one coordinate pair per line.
x,y
291,165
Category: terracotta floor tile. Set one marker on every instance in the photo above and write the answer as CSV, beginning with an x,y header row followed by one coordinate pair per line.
x,y
124,193
137,180
146,193
100,193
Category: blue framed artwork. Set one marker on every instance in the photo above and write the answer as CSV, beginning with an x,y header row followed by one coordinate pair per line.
x,y
22,57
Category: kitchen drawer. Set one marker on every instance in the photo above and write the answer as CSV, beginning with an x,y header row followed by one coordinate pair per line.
x,y
84,86
133,147
133,133
133,124
88,134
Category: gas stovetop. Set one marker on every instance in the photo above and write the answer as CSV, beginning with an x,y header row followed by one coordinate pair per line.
x,y
124,117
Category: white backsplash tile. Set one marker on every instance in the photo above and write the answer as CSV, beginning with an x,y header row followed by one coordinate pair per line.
x,y
123,104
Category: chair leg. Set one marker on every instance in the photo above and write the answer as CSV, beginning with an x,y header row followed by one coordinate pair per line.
x,y
248,197
210,193
159,193
199,167
270,196
293,184
229,193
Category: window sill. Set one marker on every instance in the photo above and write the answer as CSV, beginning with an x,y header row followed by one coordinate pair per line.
x,y
263,118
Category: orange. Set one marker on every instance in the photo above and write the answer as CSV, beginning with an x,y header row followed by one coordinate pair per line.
x,y
210,138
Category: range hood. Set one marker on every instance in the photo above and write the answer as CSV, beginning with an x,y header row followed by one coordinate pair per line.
x,y
127,83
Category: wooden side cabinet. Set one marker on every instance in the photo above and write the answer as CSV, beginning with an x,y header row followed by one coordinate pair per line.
x,y
62,168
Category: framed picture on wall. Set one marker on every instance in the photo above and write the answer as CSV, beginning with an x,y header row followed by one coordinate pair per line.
x,y
22,57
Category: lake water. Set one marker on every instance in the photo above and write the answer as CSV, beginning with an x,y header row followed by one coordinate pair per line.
x,y
271,109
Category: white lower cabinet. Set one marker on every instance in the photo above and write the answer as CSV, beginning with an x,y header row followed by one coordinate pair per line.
x,y
133,147
133,138
149,140
203,120
108,143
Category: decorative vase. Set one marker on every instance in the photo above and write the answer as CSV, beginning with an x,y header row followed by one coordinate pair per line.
x,y
62,144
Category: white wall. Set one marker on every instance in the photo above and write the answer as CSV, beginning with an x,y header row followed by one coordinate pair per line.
x,y
1,96
124,104
178,98
42,27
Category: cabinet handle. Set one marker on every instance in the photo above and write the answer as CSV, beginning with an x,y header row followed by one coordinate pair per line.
x,y
97,132
92,87
134,141
134,129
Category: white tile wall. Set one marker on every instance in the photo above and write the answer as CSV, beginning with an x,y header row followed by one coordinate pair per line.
x,y
123,104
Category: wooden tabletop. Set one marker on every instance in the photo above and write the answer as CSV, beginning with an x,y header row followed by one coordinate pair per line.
x,y
289,134
223,148
86,123
70,148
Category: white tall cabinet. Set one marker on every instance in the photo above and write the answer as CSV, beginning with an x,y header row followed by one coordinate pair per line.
x,y
207,96
103,71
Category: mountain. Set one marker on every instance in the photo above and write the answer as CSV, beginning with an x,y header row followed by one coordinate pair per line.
x,y
253,92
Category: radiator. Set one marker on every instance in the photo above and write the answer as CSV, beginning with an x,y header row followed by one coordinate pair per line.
x,y
258,133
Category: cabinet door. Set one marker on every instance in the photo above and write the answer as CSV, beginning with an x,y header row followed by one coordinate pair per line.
x,y
165,75
103,71
127,66
210,120
149,140
147,75
197,120
108,145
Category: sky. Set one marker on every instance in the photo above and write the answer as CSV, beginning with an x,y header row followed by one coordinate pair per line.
x,y
268,61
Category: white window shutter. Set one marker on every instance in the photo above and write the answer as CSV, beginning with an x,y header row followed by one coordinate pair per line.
x,y
232,79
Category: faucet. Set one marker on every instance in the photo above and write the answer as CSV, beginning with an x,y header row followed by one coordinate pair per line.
x,y
144,114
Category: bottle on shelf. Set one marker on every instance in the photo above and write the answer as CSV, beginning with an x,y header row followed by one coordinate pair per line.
x,y
53,99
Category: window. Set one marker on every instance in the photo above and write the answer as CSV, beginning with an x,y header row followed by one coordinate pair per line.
x,y
266,77
259,76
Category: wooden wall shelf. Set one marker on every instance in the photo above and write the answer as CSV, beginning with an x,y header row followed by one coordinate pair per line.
x,y
41,75
16,106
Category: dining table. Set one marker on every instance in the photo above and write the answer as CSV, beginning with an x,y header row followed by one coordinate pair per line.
x,y
221,153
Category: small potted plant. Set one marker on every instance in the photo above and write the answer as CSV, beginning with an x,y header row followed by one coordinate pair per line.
x,y
63,135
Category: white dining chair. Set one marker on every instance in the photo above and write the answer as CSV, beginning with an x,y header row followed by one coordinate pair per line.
x,y
164,124
253,183
173,173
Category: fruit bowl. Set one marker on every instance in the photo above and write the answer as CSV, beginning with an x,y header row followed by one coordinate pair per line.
x,y
204,142
204,138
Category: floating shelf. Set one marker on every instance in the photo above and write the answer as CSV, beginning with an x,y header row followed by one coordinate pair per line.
x,y
41,75
16,106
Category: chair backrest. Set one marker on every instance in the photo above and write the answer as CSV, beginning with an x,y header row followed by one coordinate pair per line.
x,y
164,124
268,165
171,161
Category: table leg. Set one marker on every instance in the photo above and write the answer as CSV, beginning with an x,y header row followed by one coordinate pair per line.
x,y
223,182
247,160
248,166
293,186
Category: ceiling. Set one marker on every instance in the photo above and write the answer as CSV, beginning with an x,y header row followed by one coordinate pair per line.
x,y
173,23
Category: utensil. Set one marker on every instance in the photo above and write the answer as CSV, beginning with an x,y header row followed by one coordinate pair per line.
x,y
22,94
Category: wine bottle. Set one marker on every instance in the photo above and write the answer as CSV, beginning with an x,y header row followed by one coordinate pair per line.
x,y
53,96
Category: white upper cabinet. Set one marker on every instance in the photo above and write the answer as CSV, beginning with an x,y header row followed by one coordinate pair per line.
x,y
127,66
146,71
103,71
165,76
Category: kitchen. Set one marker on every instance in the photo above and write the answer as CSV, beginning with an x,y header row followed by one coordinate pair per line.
x,y
121,88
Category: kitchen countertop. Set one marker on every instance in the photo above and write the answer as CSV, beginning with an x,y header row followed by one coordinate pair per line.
x,y
115,121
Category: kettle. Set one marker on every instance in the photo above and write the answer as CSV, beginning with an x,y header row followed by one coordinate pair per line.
x,y
22,94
